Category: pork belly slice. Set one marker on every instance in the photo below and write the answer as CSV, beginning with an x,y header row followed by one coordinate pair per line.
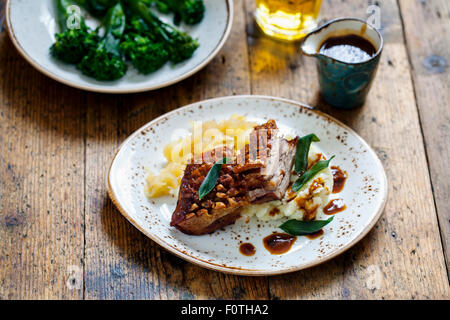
x,y
259,173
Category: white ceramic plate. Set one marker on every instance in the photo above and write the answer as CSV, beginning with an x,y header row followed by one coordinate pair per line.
x,y
32,27
364,193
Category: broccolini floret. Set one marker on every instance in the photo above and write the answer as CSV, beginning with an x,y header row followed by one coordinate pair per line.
x,y
106,62
178,44
71,45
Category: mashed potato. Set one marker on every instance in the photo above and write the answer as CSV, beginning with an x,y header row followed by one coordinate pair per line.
x,y
301,205
233,132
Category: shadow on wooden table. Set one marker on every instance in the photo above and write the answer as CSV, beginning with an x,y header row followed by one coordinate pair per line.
x,y
36,99
350,117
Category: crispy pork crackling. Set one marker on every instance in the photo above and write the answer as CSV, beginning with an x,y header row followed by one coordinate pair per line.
x,y
258,173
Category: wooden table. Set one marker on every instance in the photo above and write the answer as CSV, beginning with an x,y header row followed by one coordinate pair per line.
x,y
61,237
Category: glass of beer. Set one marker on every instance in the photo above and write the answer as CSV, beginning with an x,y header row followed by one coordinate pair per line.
x,y
287,19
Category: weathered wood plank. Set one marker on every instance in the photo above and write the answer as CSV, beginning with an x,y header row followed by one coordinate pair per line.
x,y
120,261
391,261
41,182
427,30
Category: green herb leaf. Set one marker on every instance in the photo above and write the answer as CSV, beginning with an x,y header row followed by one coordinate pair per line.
x,y
308,175
301,228
211,178
301,153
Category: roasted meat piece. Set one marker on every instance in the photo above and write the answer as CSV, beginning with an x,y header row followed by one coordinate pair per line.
x,y
258,173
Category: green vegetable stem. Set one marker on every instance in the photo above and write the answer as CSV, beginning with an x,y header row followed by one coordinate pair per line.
x,y
106,62
143,50
99,7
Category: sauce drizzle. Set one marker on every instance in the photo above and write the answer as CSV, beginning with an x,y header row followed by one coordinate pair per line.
x,y
279,243
334,206
339,178
247,249
315,235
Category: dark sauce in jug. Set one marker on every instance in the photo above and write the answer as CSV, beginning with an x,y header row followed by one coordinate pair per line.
x,y
349,48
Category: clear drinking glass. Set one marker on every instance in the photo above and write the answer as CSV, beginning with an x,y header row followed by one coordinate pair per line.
x,y
287,19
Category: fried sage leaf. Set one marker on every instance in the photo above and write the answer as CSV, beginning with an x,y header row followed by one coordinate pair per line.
x,y
308,175
211,178
301,153
301,228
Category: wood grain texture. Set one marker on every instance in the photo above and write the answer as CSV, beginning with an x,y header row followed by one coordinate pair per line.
x,y
391,261
427,30
41,182
120,261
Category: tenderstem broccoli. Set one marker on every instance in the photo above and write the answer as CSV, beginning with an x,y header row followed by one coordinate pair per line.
x,y
188,11
178,44
106,62
73,43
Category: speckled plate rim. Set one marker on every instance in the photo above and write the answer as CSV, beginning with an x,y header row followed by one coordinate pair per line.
x,y
240,271
73,84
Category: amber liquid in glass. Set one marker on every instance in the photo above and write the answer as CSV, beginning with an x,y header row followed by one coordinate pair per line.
x,y
287,19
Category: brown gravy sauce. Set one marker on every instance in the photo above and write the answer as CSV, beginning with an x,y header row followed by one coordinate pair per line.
x,y
315,235
334,206
339,178
349,48
279,243
247,249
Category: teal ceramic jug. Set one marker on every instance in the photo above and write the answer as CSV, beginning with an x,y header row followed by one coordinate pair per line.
x,y
343,84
